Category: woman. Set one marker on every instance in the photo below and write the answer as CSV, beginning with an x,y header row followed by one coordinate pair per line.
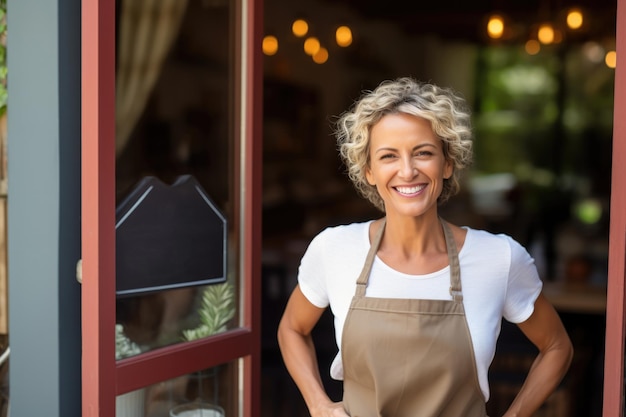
x,y
417,301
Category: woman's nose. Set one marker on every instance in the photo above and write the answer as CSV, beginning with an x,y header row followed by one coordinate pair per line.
x,y
408,168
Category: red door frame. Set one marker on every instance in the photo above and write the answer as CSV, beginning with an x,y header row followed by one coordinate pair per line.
x,y
102,377
614,350
98,207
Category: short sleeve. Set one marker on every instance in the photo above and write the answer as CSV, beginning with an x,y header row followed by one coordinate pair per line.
x,y
524,285
311,274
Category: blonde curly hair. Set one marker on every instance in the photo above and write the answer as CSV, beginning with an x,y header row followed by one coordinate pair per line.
x,y
447,112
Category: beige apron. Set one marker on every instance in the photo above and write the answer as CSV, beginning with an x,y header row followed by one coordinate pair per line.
x,y
409,357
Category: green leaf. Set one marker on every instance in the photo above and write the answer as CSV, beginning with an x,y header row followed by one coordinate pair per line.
x,y
217,308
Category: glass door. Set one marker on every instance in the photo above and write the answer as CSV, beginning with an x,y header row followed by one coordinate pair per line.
x,y
171,163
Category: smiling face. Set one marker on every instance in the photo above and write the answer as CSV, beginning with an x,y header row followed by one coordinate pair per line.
x,y
407,164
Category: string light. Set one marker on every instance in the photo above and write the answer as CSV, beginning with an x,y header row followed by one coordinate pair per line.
x,y
343,36
610,59
532,47
495,26
545,34
574,19
270,45
300,28
321,56
311,46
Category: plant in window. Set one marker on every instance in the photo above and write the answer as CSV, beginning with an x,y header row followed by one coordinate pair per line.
x,y
131,403
217,308
124,347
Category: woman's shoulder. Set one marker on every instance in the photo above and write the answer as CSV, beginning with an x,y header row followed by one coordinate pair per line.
x,y
341,232
343,237
336,244
487,236
489,241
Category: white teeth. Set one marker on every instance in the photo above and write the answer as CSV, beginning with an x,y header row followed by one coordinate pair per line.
x,y
410,190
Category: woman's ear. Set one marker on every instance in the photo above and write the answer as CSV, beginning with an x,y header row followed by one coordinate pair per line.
x,y
448,169
369,176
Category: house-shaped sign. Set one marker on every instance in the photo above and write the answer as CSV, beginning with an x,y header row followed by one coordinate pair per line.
x,y
168,236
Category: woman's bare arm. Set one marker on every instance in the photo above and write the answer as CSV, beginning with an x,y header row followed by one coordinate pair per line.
x,y
298,351
545,330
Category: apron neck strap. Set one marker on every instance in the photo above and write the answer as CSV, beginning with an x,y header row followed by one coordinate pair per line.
x,y
453,258
361,283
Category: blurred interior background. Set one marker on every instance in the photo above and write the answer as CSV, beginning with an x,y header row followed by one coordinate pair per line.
x,y
539,78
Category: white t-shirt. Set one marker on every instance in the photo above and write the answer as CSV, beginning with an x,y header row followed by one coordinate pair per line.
x,y
498,277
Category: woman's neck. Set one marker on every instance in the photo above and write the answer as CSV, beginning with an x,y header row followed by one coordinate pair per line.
x,y
414,235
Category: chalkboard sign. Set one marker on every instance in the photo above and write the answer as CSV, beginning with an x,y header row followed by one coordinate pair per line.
x,y
168,237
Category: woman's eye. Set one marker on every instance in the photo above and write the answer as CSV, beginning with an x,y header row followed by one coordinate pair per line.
x,y
387,156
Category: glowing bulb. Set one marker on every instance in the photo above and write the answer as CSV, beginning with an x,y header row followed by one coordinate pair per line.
x,y
558,36
532,47
545,34
343,36
311,46
610,59
300,27
495,27
270,45
574,19
320,56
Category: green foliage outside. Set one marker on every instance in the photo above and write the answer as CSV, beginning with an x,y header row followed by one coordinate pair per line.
x,y
547,119
541,113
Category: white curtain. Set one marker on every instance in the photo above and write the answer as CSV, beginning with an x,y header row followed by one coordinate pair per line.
x,y
147,31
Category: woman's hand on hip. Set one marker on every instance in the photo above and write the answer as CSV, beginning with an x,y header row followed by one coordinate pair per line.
x,y
545,330
329,410
298,350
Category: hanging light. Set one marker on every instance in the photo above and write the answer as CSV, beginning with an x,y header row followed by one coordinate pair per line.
x,y
558,36
495,26
574,19
321,56
311,46
343,36
532,47
300,27
545,33
610,59
270,45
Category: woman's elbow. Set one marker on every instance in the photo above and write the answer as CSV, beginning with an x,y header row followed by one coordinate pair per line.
x,y
562,352
568,352
280,332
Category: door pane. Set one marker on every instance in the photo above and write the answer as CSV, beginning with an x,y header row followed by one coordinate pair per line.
x,y
210,392
178,262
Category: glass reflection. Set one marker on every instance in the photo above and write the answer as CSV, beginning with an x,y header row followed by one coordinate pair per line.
x,y
167,317
206,393
174,111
